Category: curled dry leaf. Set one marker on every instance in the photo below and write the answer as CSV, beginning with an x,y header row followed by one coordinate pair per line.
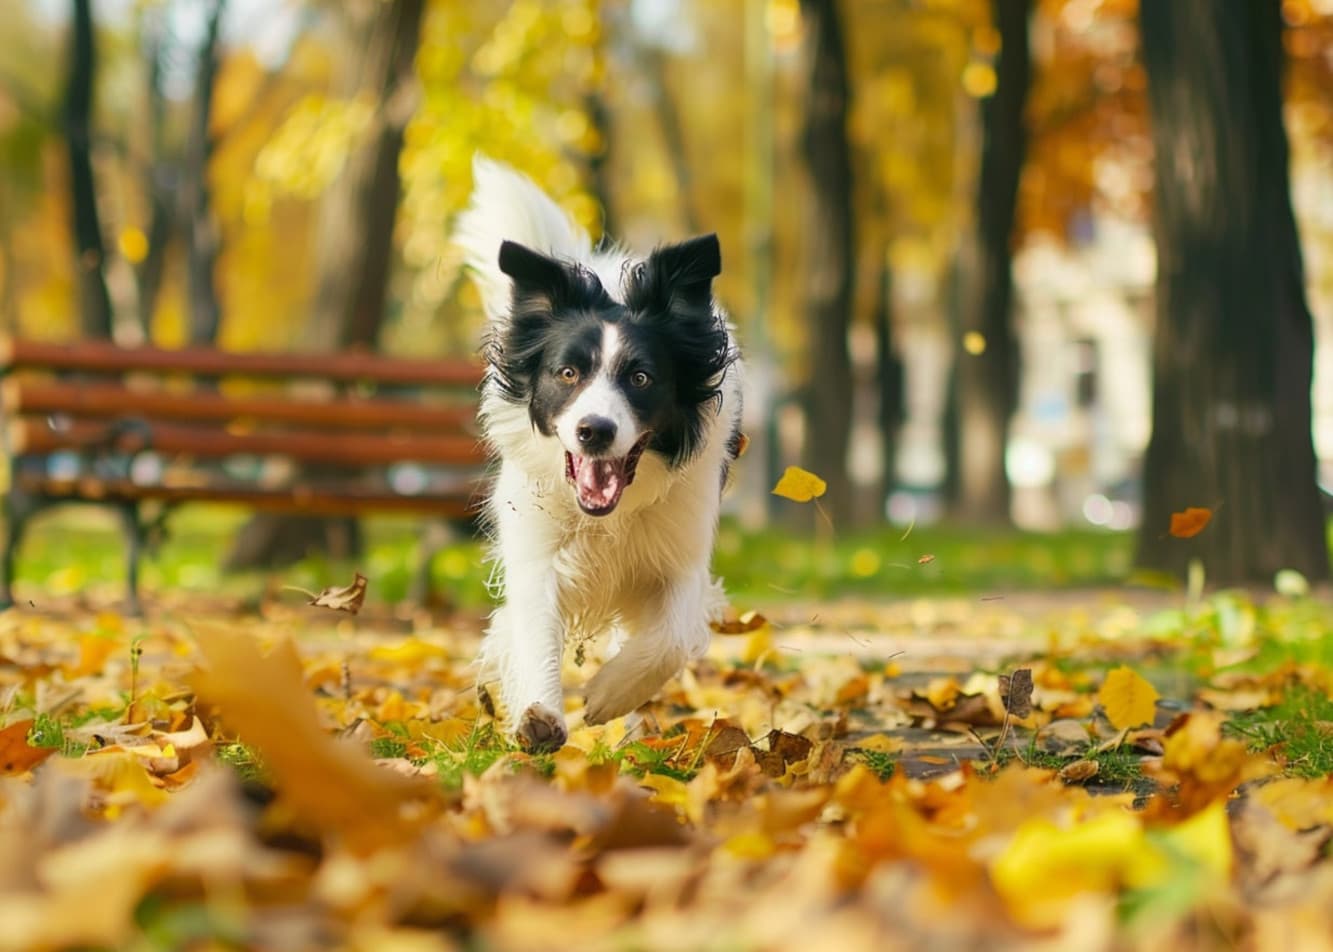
x,y
1079,771
341,598
1016,692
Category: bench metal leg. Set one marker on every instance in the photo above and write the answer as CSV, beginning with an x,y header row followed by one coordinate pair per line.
x,y
134,540
19,508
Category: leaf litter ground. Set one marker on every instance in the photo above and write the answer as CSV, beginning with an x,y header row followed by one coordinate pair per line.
x,y
1092,770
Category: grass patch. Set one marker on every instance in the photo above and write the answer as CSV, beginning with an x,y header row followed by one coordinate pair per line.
x,y
1298,730
880,762
241,759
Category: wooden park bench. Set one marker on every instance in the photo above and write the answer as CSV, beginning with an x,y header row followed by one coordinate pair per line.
x,y
341,434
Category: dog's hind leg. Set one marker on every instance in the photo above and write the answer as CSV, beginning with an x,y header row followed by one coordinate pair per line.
x,y
667,632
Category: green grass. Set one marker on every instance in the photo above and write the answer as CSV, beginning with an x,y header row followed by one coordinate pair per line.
x,y
81,549
1299,729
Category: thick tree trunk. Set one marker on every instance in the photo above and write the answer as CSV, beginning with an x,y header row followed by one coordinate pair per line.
x,y
353,262
986,372
94,301
355,250
203,241
830,261
1233,345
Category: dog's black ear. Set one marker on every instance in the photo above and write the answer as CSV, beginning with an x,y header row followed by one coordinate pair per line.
x,y
683,272
532,271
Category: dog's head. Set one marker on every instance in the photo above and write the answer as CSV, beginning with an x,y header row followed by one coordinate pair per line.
x,y
613,377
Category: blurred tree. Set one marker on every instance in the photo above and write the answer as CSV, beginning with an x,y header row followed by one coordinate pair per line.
x,y
94,301
203,235
830,260
354,251
986,358
1233,342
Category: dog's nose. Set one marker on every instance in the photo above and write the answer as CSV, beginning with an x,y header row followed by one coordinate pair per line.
x,y
595,433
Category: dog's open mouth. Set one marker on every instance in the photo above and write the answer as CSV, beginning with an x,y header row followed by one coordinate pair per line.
x,y
598,482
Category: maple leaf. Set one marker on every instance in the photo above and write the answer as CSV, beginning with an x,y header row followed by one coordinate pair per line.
x,y
1128,699
799,485
1190,522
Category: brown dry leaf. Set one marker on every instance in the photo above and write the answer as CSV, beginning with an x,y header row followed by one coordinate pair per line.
x,y
1079,770
330,784
732,623
1203,765
1016,692
343,598
16,755
1190,522
925,559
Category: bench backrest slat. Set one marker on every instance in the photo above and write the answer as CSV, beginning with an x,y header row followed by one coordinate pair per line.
x,y
344,366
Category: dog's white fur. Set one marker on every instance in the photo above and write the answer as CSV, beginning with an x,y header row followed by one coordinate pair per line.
x,y
641,572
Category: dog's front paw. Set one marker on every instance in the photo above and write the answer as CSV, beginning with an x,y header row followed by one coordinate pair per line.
x,y
541,730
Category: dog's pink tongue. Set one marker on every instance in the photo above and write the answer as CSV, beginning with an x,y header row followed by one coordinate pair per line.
x,y
600,482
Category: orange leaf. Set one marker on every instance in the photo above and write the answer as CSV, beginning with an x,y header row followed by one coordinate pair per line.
x,y
16,756
1188,524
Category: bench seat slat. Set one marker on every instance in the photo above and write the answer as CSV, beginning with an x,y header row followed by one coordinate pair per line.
x,y
316,501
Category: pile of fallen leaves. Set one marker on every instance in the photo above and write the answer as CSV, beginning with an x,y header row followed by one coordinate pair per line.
x,y
935,774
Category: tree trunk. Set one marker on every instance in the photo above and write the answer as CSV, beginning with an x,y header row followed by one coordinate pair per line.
x,y
890,379
986,366
1233,345
94,301
353,262
355,250
203,240
830,262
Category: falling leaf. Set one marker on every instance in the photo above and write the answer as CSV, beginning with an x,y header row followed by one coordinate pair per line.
x,y
925,559
799,485
1016,692
347,598
1190,522
733,624
1128,699
16,755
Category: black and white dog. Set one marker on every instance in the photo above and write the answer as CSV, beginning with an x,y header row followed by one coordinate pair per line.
x,y
612,401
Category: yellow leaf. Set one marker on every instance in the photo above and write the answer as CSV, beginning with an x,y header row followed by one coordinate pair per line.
x,y
1205,838
799,485
758,645
133,244
1045,867
1128,699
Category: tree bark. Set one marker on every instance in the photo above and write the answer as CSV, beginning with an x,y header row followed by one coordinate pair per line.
x,y
94,301
830,262
353,263
1233,344
987,382
890,378
203,239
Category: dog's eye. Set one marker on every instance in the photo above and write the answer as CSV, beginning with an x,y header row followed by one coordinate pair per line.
x,y
639,379
569,375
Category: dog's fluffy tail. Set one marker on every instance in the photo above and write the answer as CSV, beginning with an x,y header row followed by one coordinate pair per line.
x,y
507,205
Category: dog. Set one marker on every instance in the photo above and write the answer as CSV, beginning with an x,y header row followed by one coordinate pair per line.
x,y
612,402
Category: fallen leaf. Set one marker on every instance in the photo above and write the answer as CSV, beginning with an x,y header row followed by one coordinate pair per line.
x,y
1016,692
331,784
1128,699
1079,770
1190,522
16,754
799,485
